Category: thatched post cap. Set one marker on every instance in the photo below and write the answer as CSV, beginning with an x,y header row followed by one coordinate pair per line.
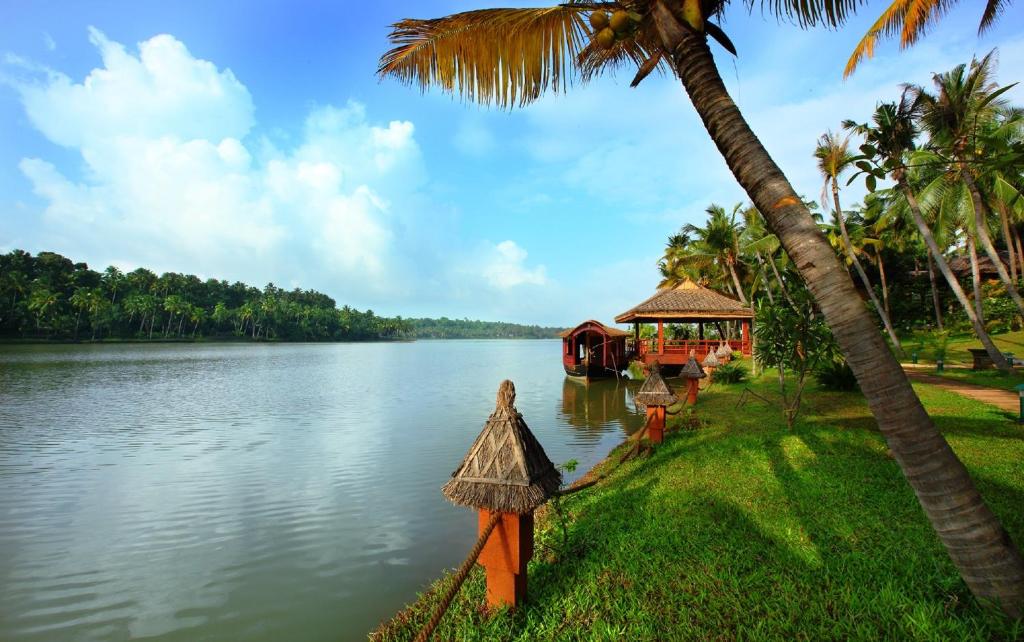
x,y
506,470
711,361
655,391
692,369
723,351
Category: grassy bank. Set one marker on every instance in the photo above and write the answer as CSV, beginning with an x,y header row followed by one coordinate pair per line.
x,y
957,347
743,529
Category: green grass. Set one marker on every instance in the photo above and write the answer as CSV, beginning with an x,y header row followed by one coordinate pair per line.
x,y
742,529
990,378
957,348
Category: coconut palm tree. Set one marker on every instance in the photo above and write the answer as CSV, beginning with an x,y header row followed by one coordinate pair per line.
x,y
966,100
510,57
889,138
716,247
834,158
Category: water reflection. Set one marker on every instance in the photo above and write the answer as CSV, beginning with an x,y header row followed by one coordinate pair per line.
x,y
600,405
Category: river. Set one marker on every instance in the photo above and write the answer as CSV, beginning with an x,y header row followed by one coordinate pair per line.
x,y
254,491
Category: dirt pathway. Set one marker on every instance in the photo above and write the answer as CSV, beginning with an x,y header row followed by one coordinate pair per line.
x,y
1002,399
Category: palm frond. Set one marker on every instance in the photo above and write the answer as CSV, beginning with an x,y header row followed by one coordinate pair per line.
x,y
993,9
507,57
810,13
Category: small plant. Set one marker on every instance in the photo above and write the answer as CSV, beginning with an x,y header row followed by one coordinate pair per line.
x,y
836,375
636,371
556,505
731,372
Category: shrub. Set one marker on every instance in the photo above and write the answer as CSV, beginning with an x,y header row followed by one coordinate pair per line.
x,y
731,372
836,375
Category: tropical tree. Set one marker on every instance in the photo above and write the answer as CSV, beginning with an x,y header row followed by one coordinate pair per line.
x,y
889,138
965,102
511,56
834,158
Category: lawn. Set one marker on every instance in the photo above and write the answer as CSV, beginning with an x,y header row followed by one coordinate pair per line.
x,y
742,529
956,349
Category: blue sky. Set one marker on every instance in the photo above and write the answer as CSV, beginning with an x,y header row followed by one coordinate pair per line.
x,y
253,142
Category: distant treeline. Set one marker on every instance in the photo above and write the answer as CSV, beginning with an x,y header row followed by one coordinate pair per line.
x,y
48,296
445,328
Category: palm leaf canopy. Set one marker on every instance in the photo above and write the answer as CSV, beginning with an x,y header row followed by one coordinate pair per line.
x,y
510,57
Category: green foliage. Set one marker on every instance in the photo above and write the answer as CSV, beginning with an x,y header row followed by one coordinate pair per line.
x,y
794,338
445,328
836,374
732,372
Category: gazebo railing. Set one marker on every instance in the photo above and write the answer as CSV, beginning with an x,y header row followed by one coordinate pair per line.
x,y
683,346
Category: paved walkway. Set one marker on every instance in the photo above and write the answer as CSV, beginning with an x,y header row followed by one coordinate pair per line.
x,y
1002,399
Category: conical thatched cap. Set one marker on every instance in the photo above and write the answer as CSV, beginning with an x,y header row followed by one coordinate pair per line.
x,y
711,361
723,350
692,369
654,391
505,470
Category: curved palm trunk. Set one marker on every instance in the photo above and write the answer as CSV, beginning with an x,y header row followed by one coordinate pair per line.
x,y
885,284
848,248
978,323
980,209
767,288
778,277
935,291
1004,221
972,252
975,540
736,281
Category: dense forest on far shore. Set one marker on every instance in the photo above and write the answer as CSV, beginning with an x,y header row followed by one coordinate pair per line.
x,y
50,297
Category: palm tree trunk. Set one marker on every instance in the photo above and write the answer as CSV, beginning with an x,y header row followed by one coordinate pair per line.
x,y
976,541
885,284
980,211
736,280
972,253
1004,220
1019,246
954,284
935,292
778,277
848,248
767,288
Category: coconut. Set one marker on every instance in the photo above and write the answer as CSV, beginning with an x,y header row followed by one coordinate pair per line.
x,y
605,37
620,22
598,20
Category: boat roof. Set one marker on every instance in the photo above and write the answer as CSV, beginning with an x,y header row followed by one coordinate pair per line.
x,y
595,325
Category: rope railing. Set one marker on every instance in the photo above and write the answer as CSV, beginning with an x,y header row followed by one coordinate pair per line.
x,y
458,580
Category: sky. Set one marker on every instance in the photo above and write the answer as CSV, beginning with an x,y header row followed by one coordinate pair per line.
x,y
253,142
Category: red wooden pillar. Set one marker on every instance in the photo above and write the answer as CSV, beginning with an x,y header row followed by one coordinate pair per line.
x,y
661,337
505,555
746,337
691,391
656,426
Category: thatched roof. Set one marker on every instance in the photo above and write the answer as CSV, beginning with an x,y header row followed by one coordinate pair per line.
x,y
723,350
711,361
506,469
686,302
654,391
961,265
595,325
692,369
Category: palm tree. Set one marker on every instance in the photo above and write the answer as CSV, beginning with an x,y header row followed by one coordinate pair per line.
x,y
964,101
716,245
113,279
889,139
834,158
511,56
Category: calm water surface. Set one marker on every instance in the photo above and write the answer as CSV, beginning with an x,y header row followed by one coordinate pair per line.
x,y
256,492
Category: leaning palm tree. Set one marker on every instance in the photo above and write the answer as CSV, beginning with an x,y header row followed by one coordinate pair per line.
x,y
964,104
510,57
834,158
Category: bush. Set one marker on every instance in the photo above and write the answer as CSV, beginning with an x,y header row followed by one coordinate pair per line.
x,y
731,372
836,375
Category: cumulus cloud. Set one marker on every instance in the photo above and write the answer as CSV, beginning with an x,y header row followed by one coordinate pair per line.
x,y
504,267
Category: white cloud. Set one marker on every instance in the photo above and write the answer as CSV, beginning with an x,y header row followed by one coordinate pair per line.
x,y
505,267
49,42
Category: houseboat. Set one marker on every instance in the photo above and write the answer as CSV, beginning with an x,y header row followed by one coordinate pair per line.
x,y
593,350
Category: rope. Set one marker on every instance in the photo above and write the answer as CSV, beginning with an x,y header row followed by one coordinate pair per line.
x,y
460,577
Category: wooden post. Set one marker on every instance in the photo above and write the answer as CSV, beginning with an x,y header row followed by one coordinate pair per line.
x,y
505,555
691,391
661,337
656,426
700,330
746,337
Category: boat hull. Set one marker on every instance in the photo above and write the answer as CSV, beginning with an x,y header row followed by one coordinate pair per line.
x,y
584,371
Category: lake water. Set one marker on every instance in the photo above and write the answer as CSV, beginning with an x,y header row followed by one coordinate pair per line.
x,y
254,492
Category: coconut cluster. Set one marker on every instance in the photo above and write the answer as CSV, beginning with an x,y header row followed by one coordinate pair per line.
x,y
608,30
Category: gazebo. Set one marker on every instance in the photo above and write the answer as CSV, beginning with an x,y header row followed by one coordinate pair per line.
x,y
687,303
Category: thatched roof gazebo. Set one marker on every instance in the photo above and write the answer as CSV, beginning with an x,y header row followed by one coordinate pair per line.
x,y
655,391
506,469
687,303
